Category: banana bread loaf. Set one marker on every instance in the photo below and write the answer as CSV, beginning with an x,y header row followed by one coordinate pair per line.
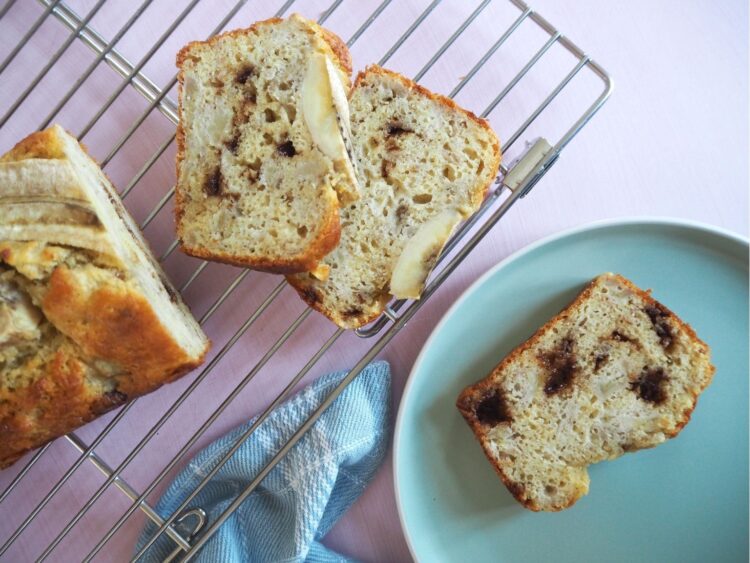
x,y
88,319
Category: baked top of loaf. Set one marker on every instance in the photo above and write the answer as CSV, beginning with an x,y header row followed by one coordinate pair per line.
x,y
88,319
614,372
418,154
255,185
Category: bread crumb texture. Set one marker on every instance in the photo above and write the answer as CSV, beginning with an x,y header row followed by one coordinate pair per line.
x,y
417,154
615,372
253,189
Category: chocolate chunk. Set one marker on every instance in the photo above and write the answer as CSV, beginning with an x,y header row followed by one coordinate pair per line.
x,y
650,385
311,295
401,212
395,128
213,183
244,74
233,143
286,149
600,360
620,337
561,366
517,490
352,312
115,397
659,316
385,168
492,409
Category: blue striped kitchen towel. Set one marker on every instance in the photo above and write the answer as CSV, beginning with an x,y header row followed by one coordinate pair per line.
x,y
299,501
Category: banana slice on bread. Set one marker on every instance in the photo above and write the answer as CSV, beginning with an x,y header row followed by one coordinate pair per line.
x,y
262,164
420,254
326,113
425,164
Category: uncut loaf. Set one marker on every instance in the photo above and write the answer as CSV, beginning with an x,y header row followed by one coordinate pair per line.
x,y
263,160
425,164
88,319
614,372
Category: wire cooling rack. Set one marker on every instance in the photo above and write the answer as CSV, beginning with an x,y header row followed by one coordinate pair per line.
x,y
106,475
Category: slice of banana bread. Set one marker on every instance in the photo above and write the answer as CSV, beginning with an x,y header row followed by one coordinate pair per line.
x,y
425,164
262,156
615,372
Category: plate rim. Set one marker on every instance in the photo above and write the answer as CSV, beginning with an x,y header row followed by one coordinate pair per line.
x,y
516,255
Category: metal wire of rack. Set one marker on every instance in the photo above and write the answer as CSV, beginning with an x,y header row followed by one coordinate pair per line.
x,y
188,526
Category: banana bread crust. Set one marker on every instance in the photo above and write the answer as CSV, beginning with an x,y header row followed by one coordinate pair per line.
x,y
60,387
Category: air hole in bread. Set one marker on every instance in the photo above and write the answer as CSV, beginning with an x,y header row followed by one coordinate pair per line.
x,y
385,168
302,231
471,153
270,115
291,112
449,172
401,212
251,93
422,198
600,360
353,312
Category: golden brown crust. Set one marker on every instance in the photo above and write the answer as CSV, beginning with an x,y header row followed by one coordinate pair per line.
x,y
339,49
118,324
41,144
309,294
468,398
53,405
113,323
330,229
327,239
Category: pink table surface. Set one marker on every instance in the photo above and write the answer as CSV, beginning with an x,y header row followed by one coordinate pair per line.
x,y
672,141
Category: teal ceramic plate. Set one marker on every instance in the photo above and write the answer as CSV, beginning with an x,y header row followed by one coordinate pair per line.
x,y
686,500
